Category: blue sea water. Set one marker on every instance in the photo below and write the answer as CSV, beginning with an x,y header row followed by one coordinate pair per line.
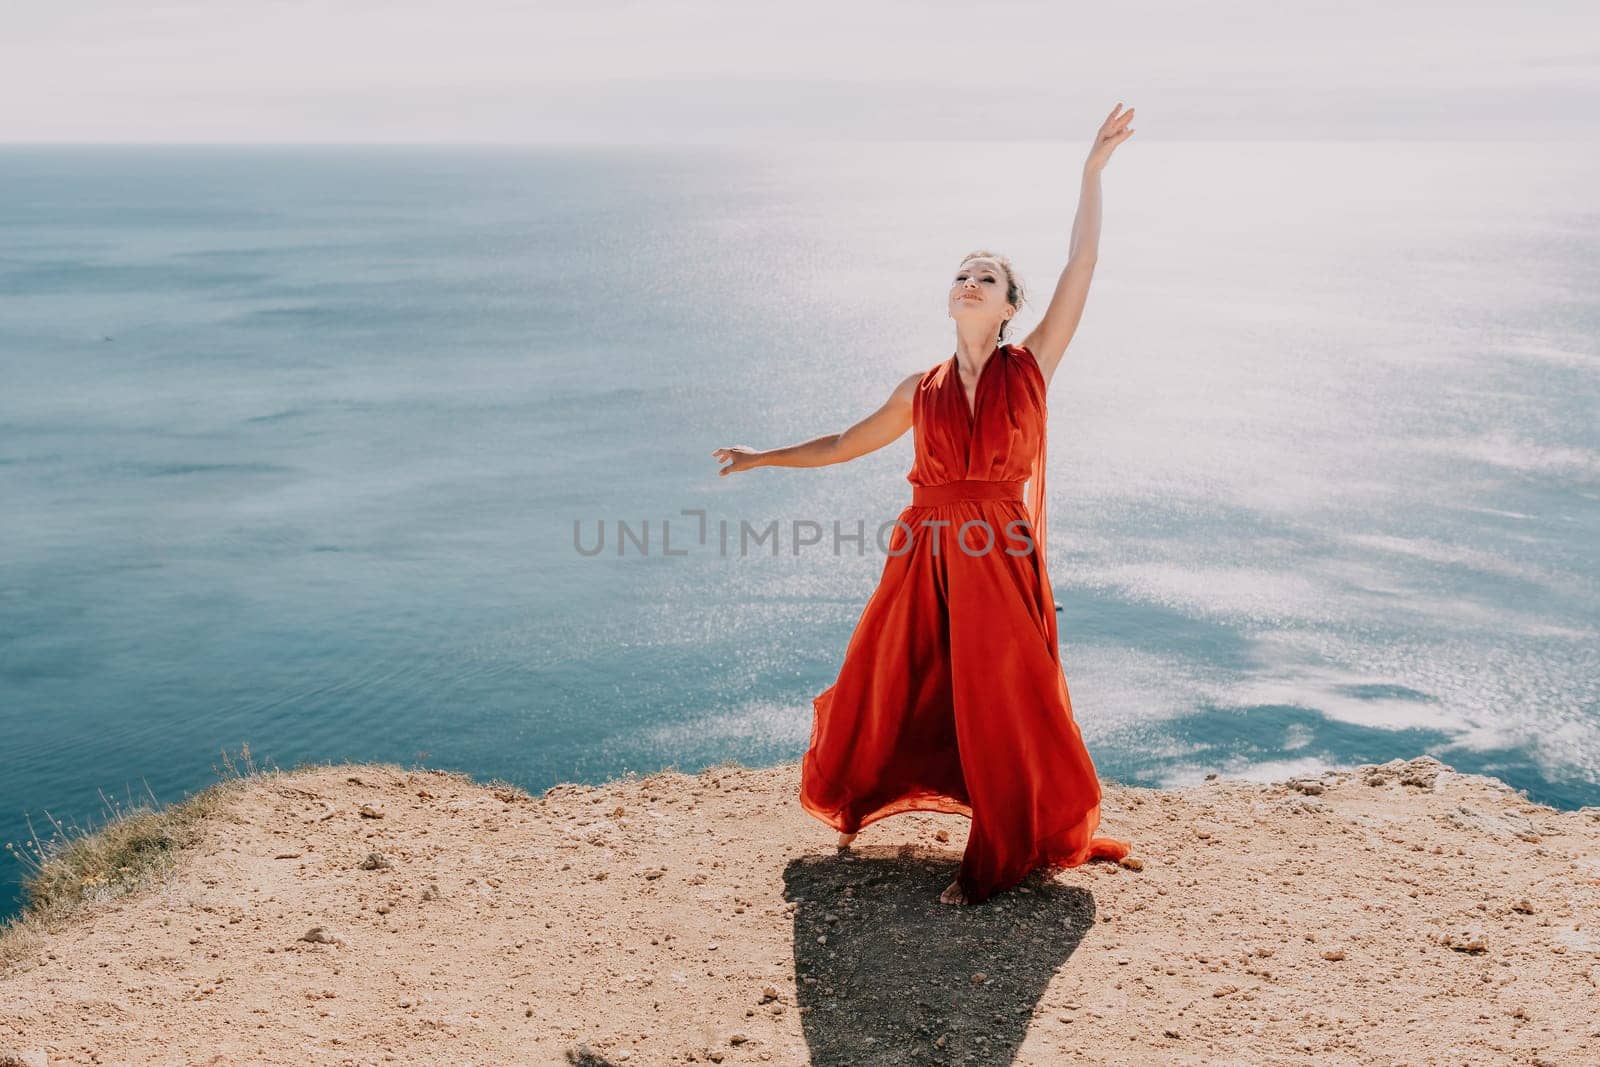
x,y
294,445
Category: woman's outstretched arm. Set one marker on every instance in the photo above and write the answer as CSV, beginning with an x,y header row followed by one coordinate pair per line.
x,y
870,434
1049,339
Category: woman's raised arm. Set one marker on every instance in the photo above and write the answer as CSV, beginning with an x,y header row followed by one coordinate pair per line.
x,y
1049,339
870,434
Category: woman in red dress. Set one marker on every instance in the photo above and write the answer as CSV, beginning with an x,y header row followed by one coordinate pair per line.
x,y
951,697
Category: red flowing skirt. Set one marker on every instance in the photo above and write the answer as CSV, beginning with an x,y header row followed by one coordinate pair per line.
x,y
952,698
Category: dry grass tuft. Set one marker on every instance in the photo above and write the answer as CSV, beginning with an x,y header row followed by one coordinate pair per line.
x,y
136,846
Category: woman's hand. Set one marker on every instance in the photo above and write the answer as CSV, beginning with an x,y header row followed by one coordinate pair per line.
x,y
738,458
1112,132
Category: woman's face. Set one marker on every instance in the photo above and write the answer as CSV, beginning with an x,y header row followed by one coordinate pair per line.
x,y
978,292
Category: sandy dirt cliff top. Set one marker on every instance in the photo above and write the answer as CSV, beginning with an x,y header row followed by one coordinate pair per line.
x,y
365,914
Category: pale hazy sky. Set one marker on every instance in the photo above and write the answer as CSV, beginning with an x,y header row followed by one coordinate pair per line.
x,y
718,70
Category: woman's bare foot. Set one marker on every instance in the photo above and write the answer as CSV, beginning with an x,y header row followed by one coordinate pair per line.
x,y
953,894
845,839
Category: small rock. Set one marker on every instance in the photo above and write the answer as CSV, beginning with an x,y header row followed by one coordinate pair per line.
x,y
1133,863
942,835
319,935
1465,941
1333,954
737,1039
1524,906
1224,990
21,1058
370,812
1421,772
979,978
375,861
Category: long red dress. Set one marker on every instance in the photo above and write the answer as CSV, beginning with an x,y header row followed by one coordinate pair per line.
x,y
952,697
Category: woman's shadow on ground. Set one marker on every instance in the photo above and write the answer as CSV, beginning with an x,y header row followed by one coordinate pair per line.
x,y
886,973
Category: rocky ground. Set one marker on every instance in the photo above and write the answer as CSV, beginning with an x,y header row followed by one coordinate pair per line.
x,y
369,914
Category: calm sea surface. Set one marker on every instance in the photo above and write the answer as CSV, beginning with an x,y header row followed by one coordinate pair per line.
x,y
293,442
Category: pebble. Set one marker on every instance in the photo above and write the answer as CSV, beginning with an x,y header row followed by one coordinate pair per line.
x,y
1465,941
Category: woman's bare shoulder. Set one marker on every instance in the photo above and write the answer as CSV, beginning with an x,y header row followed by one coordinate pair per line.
x,y
908,386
